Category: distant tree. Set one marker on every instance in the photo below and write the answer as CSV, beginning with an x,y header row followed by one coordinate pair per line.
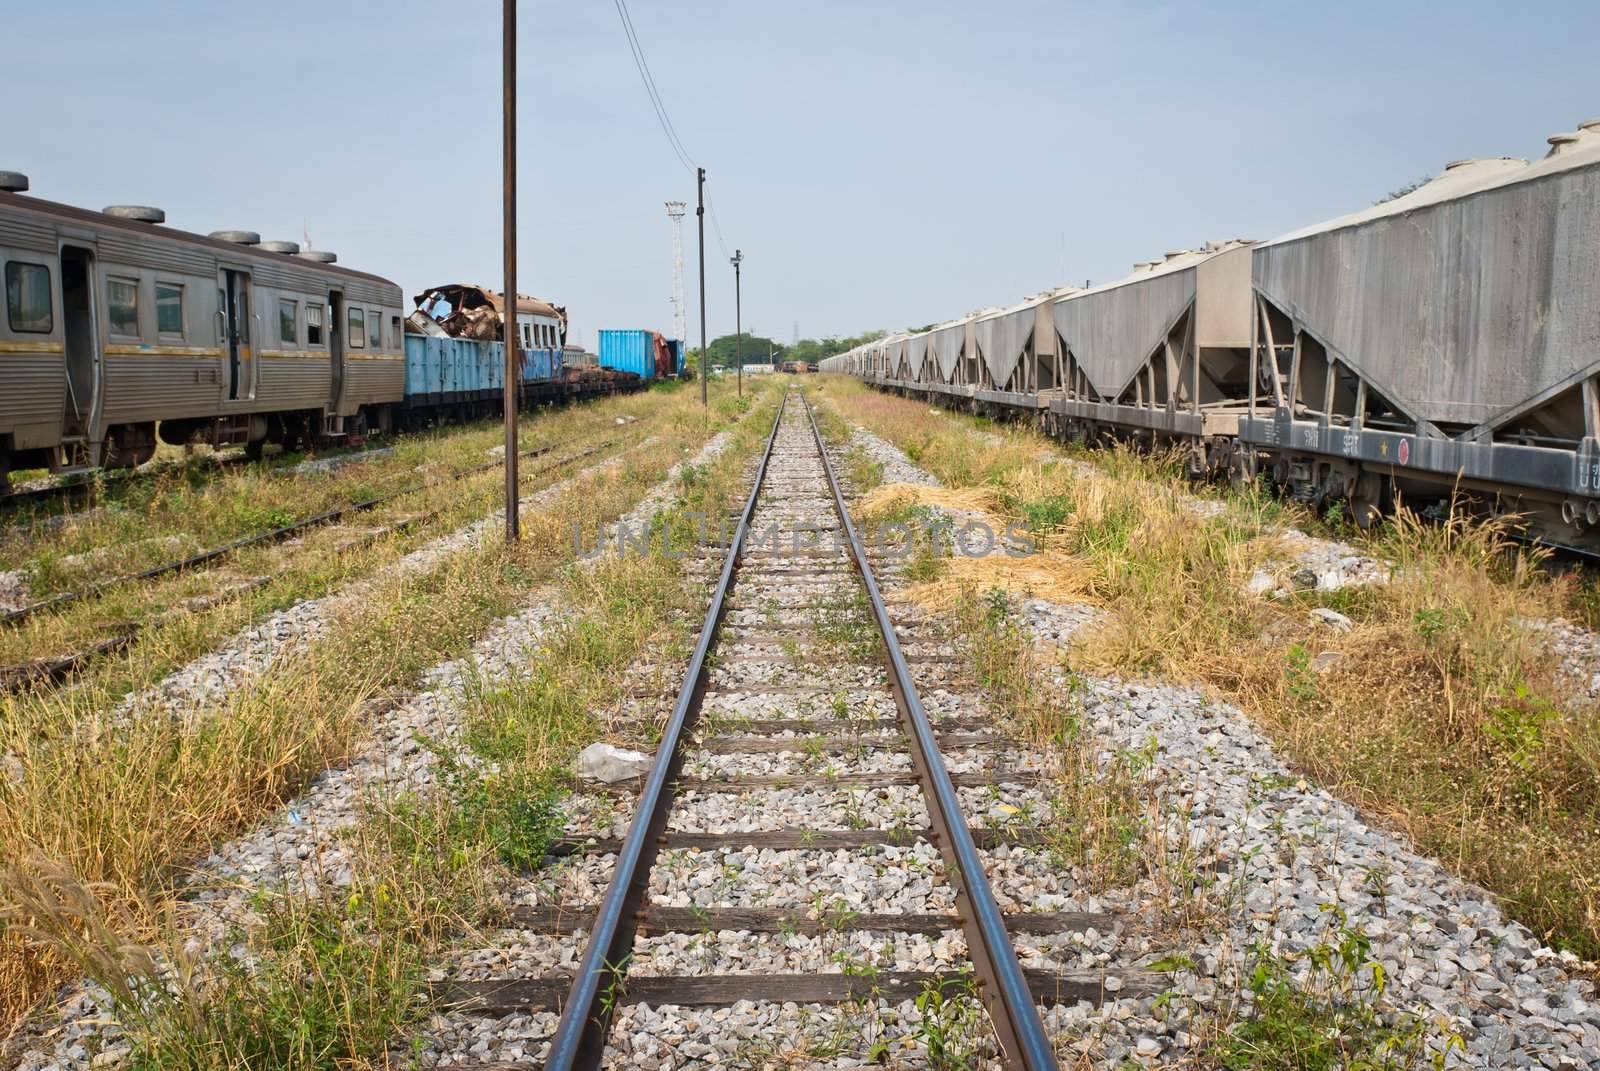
x,y
812,350
753,347
756,349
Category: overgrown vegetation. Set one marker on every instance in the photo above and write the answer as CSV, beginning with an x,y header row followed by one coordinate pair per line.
x,y
170,517
1440,709
1103,818
110,809
1320,1010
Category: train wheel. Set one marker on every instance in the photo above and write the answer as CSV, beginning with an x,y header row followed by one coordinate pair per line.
x,y
1366,500
1241,468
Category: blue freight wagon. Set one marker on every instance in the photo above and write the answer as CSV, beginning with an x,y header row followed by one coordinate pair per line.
x,y
466,377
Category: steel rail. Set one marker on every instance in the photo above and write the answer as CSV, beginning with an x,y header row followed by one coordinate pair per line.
x,y
57,669
586,1016
276,535
84,487
1001,983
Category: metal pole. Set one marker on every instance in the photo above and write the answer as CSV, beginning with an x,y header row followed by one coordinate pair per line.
x,y
705,354
508,321
738,329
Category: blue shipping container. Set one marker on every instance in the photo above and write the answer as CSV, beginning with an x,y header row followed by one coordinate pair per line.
x,y
628,351
677,355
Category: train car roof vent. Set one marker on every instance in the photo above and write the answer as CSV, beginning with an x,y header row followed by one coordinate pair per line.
x,y
281,247
321,256
13,182
137,213
237,237
1559,143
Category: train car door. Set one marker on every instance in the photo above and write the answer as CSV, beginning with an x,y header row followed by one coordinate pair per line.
x,y
81,328
234,310
335,352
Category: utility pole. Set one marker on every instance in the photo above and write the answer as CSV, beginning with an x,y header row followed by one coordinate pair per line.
x,y
705,354
680,315
738,330
508,319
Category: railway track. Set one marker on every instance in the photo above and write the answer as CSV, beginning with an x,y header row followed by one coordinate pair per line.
x,y
83,490
58,668
779,781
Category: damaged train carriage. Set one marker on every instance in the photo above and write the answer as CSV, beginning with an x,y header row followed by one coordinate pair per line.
x,y
455,355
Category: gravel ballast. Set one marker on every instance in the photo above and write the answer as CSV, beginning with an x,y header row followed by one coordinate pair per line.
x,y
305,844
1279,850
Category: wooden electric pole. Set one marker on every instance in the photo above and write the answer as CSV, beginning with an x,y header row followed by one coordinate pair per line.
x,y
705,354
508,318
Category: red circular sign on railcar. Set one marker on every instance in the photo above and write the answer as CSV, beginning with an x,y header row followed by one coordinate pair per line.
x,y
1405,451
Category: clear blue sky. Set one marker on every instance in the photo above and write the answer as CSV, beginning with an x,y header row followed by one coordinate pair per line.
x,y
881,164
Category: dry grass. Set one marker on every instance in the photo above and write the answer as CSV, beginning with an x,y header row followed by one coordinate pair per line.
x,y
1043,576
1445,717
249,501
122,807
896,497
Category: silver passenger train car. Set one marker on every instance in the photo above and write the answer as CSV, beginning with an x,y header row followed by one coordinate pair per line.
x,y
115,324
1445,339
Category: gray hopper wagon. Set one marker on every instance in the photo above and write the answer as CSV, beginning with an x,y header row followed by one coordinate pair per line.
x,y
1445,339
116,325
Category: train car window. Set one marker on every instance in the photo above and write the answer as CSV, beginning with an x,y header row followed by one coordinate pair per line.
x,y
288,321
358,328
395,334
28,298
375,331
169,309
122,305
313,324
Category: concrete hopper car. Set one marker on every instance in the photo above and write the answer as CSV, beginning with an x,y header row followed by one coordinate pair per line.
x,y
1444,341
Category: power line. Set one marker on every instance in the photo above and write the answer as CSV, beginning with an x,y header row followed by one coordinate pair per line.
x,y
650,79
660,107
650,89
716,227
